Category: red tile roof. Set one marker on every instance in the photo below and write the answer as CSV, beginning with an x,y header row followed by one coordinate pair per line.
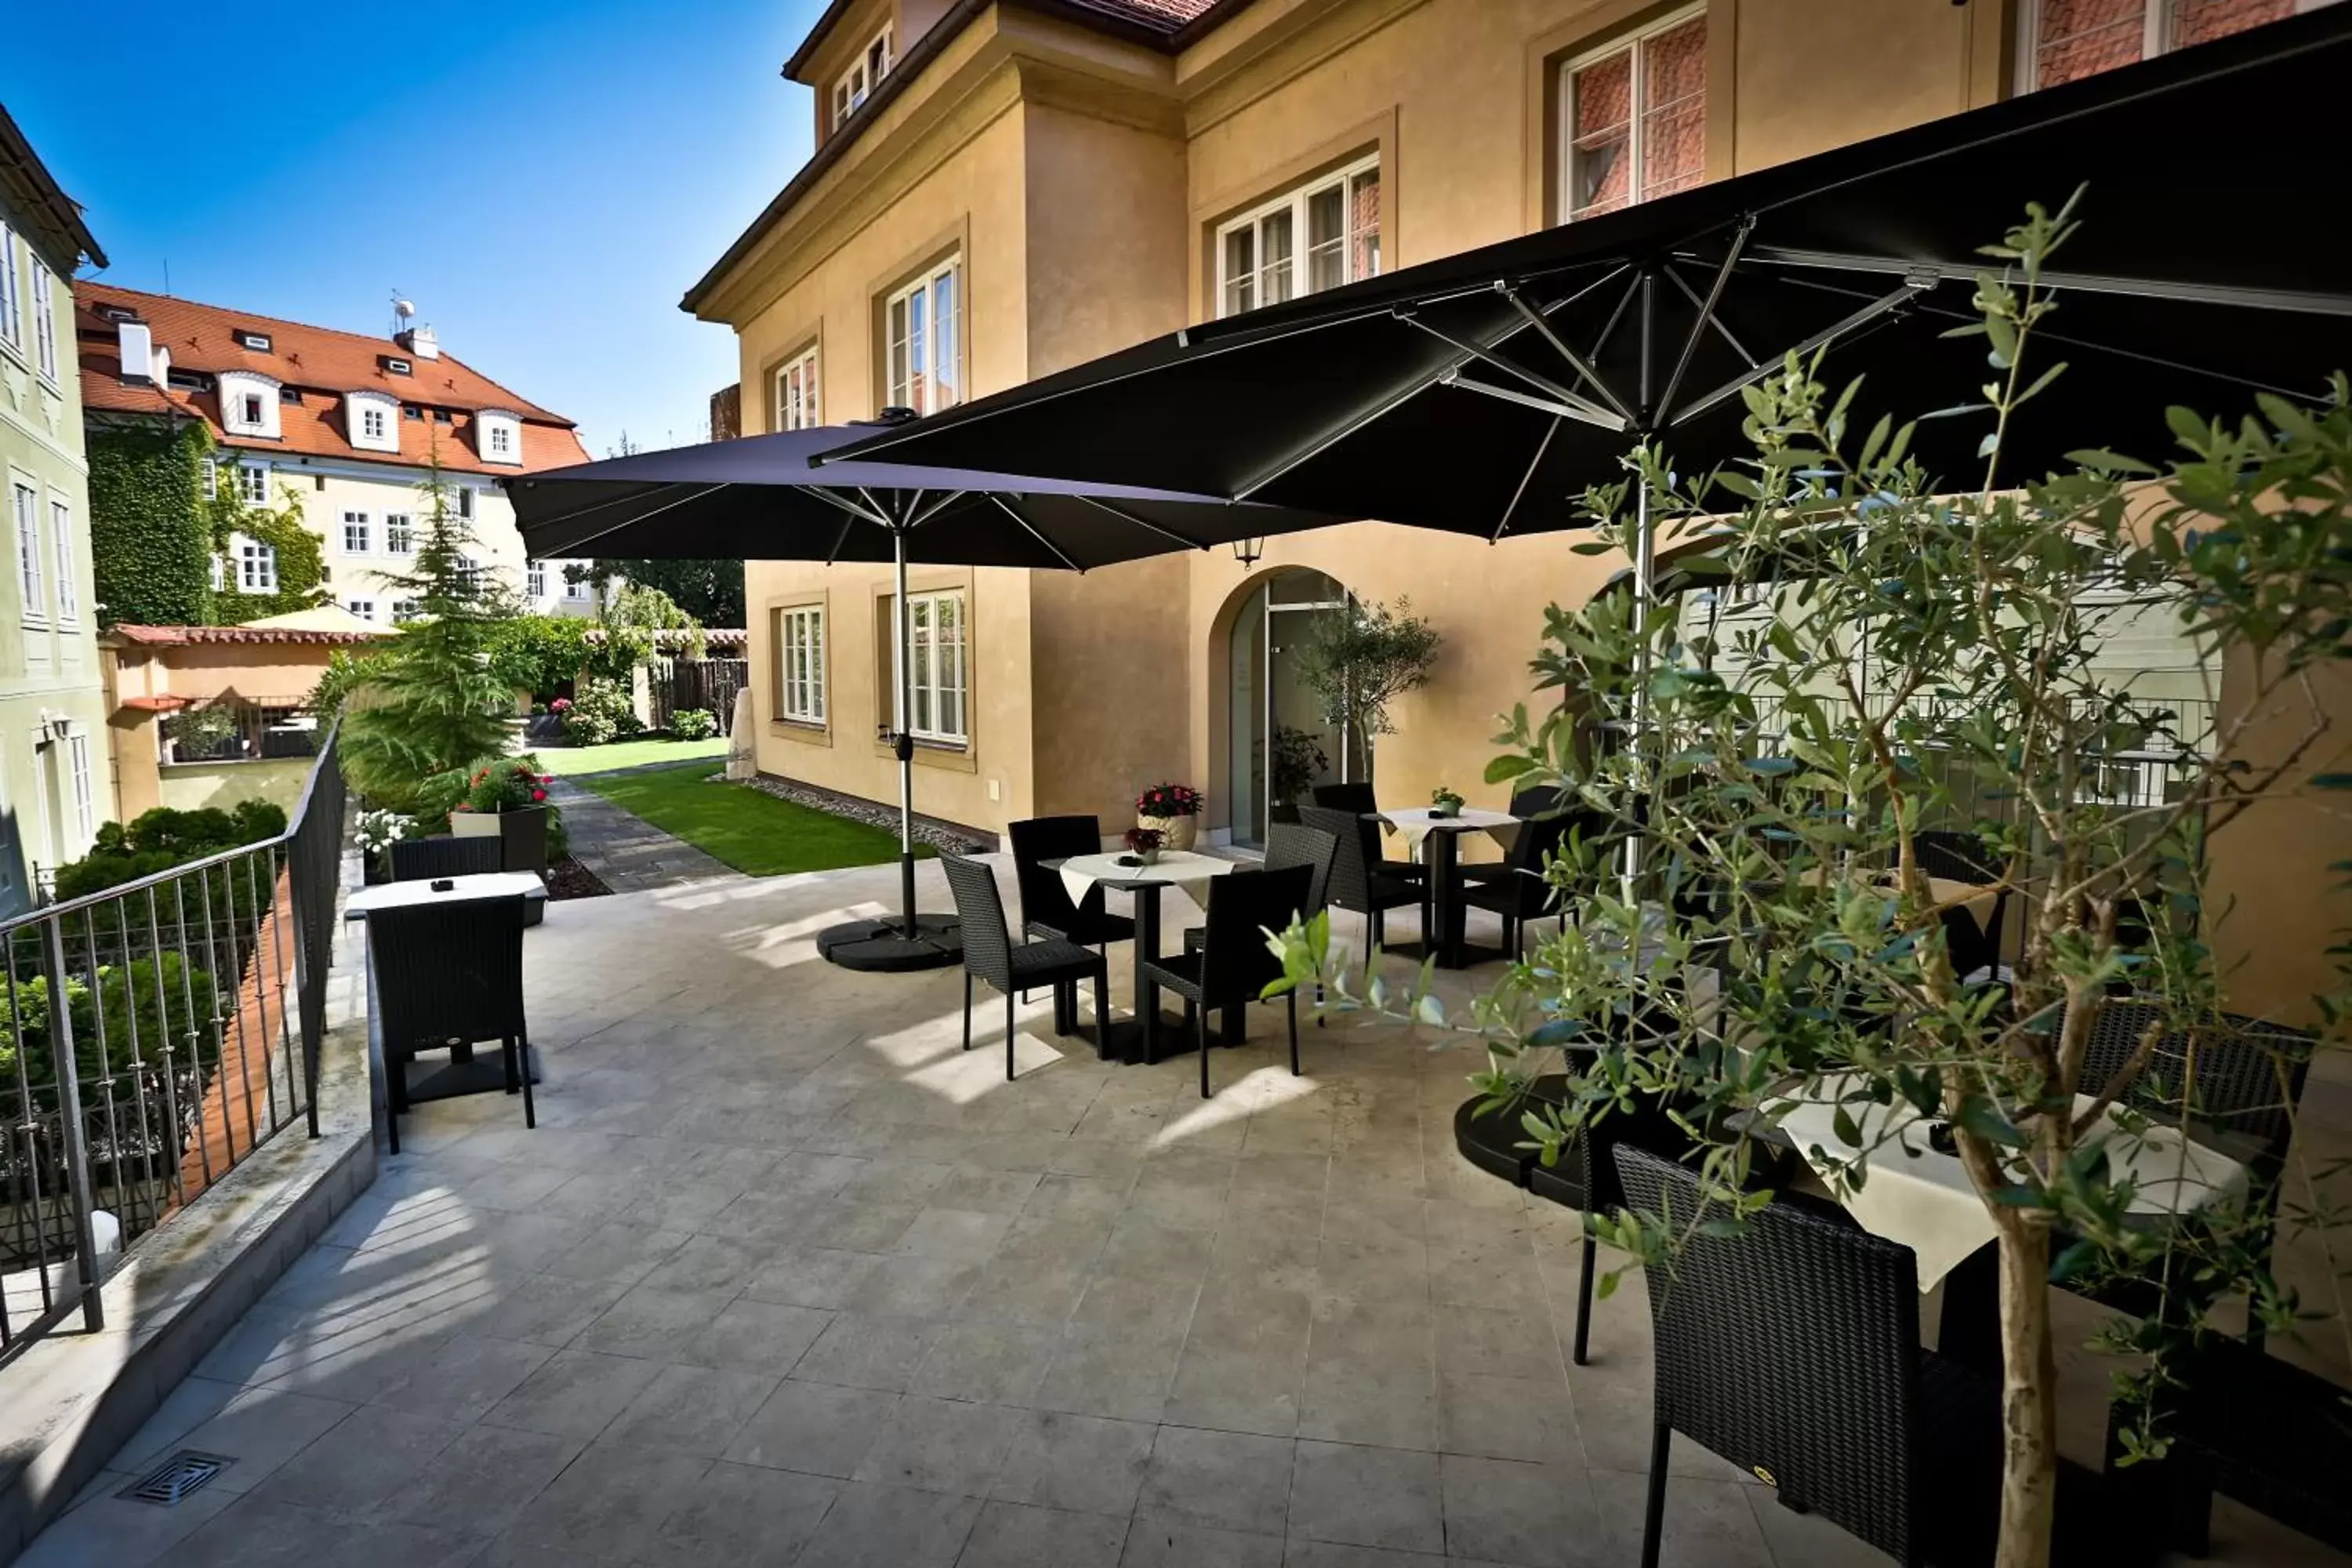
x,y
320,362
1166,14
180,637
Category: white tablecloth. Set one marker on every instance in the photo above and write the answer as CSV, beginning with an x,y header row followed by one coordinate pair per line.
x,y
1413,824
1188,873
1924,1199
482,885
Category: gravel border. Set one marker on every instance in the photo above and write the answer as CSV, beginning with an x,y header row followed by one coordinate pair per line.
x,y
948,841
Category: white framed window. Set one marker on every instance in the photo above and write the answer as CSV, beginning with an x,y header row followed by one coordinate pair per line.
x,y
1633,117
399,533
211,479
355,533
470,571
500,436
800,664
856,85
797,406
534,579
577,588
924,325
256,563
249,402
44,318
501,440
2059,41
1259,258
253,484
465,500
85,800
61,544
406,610
12,326
24,515
363,608
938,668
257,341
372,422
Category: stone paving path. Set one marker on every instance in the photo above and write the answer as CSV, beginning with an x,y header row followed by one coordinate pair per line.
x,y
628,854
785,1277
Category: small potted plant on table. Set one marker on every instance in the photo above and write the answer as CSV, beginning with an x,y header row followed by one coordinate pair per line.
x,y
1170,810
1444,803
1144,844
508,799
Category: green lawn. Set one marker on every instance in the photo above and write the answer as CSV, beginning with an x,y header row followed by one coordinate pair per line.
x,y
751,831
572,760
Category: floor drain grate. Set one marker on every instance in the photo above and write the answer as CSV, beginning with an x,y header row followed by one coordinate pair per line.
x,y
177,1478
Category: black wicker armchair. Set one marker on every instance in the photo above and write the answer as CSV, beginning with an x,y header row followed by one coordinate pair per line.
x,y
1233,964
991,955
447,976
1360,881
420,859
1515,888
1355,796
1047,908
1794,1352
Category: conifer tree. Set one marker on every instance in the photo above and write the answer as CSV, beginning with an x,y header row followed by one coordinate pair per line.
x,y
434,701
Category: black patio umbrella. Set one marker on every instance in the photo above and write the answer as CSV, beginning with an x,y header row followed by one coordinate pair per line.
x,y
762,498
1482,394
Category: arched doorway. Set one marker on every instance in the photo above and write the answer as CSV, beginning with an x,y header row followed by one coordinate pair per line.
x,y
1279,745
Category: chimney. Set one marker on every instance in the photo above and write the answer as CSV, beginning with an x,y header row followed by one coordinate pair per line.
x,y
138,348
161,374
420,342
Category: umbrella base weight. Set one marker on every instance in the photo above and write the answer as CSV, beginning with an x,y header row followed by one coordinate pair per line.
x,y
886,947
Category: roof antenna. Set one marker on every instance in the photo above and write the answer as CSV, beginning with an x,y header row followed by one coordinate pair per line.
x,y
167,276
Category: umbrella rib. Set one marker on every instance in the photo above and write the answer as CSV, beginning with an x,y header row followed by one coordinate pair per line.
x,y
572,545
1525,479
1544,383
1578,411
1536,320
937,507
1913,286
863,513
1144,523
1706,310
1059,555
1716,321
2297,300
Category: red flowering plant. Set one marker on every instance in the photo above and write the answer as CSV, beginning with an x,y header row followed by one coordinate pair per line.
x,y
1169,800
505,786
1144,841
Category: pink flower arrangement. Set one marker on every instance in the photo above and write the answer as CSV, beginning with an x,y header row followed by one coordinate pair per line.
x,y
1169,800
561,705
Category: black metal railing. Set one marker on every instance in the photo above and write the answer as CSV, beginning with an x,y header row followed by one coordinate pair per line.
x,y
153,1036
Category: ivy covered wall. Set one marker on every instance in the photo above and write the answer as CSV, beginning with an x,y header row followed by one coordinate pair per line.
x,y
150,544
154,534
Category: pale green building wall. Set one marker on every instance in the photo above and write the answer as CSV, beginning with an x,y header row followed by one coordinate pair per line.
x,y
52,706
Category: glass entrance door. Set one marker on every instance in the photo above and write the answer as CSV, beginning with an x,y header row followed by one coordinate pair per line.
x,y
1281,747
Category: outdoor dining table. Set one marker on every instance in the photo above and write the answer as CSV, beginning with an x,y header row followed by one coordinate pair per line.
x,y
1136,1040
1419,827
1918,1195
465,1072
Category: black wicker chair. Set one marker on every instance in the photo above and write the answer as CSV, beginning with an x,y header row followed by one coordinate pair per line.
x,y
1794,1352
1233,964
1355,798
1290,844
420,859
1535,800
1047,909
1960,856
446,975
1515,888
990,953
1360,881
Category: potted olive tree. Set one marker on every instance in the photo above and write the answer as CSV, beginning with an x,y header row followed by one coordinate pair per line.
x,y
1916,662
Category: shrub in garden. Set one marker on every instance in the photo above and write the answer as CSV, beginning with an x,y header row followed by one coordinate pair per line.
x,y
601,713
693,723
162,839
169,996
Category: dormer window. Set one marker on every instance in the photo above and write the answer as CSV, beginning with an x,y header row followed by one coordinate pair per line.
x,y
117,313
257,341
410,411
368,420
857,83
501,435
396,365
187,380
292,395
249,402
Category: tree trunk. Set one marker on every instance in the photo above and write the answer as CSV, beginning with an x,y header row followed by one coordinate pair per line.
x,y
2029,1397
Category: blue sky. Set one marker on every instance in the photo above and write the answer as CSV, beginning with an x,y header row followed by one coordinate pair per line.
x,y
544,178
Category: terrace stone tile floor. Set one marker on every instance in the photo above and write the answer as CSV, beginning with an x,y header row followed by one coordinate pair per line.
x,y
783,1276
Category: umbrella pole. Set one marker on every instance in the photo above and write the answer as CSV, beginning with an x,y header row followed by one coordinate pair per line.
x,y
908,940
1637,711
902,699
